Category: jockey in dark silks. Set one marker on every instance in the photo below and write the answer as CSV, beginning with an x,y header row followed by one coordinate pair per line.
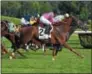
x,y
28,20
25,20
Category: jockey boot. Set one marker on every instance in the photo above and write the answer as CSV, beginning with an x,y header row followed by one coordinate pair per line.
x,y
48,28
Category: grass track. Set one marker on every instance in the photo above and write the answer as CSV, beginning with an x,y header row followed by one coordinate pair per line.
x,y
36,62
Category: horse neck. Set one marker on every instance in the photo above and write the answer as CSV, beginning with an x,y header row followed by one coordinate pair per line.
x,y
72,28
66,27
71,31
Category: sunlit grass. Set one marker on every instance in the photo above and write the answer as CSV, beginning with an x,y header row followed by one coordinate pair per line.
x,y
36,62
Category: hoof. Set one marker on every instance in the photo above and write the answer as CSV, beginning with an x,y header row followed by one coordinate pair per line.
x,y
13,54
53,59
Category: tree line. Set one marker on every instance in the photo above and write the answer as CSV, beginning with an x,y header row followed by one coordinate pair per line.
x,y
82,9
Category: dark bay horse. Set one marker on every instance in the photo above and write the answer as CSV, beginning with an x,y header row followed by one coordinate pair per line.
x,y
15,40
5,33
58,35
11,36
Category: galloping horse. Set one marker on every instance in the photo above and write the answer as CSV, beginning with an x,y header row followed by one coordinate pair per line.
x,y
72,27
58,35
10,36
5,33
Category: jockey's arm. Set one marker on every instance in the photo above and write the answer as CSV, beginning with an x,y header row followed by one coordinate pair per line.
x,y
63,22
60,23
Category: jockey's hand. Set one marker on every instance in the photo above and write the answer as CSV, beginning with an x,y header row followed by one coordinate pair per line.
x,y
56,23
59,23
63,22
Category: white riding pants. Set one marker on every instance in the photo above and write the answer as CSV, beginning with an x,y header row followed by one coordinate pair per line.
x,y
44,20
23,21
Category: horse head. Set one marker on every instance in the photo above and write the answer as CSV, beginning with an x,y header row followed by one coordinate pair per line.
x,y
4,26
80,24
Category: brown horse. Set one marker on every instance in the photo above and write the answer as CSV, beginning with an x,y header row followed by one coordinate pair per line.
x,y
5,33
58,35
11,36
73,27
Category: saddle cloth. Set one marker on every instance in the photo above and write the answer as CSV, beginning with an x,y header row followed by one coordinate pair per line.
x,y
42,34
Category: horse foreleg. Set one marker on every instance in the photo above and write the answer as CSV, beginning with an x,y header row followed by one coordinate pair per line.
x,y
3,49
73,50
53,41
43,48
57,47
12,55
54,53
20,53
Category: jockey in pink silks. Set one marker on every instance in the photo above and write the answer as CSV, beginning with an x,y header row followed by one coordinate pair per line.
x,y
47,19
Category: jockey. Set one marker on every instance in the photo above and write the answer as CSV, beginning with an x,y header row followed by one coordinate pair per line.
x,y
17,30
59,18
25,20
28,20
33,20
47,19
11,27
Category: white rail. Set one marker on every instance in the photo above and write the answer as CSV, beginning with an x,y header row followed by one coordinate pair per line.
x,y
83,32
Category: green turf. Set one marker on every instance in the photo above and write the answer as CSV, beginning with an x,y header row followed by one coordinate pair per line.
x,y
36,62
11,19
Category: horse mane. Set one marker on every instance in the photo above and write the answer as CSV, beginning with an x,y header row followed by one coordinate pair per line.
x,y
76,19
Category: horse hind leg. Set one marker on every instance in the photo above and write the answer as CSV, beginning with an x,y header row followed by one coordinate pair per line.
x,y
3,49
